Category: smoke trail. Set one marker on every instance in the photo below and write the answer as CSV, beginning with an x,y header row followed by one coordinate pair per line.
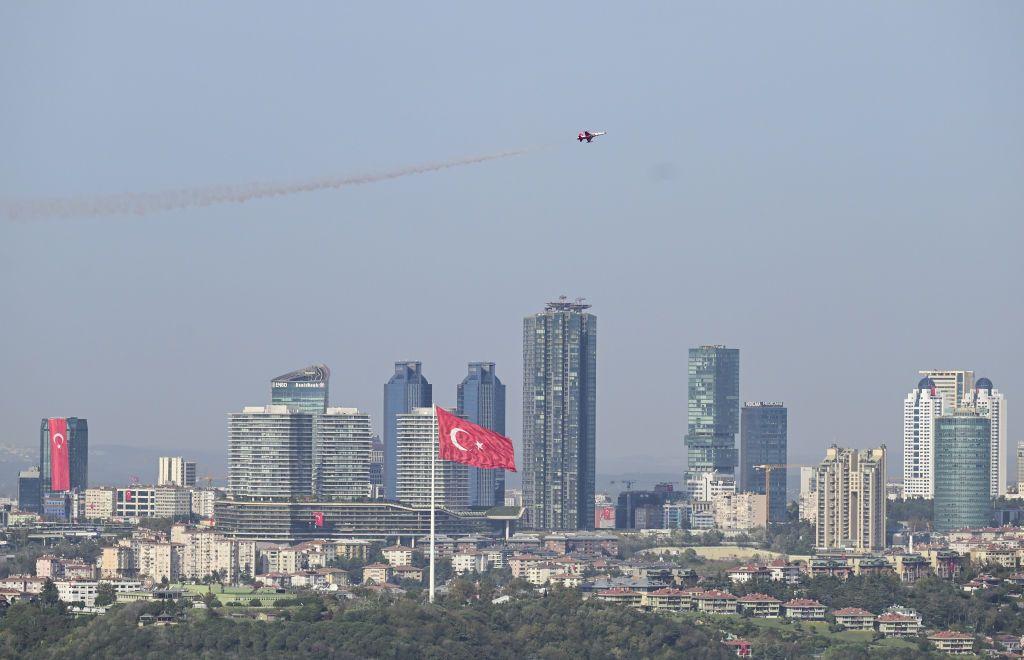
x,y
143,203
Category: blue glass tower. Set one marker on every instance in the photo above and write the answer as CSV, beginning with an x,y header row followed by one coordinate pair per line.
x,y
713,417
406,390
962,455
481,400
763,432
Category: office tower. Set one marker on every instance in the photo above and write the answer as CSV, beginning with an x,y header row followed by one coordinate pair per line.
x,y
559,416
406,390
962,475
953,386
342,441
29,495
763,432
306,389
63,455
270,453
481,400
376,462
851,499
175,471
713,414
990,402
416,434
920,409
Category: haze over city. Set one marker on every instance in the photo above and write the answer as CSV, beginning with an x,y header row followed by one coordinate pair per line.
x,y
844,219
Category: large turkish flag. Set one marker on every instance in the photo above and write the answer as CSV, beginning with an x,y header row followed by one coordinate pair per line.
x,y
60,477
465,442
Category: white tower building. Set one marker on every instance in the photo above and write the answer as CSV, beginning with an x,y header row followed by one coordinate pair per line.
x,y
991,403
341,454
920,409
952,385
416,446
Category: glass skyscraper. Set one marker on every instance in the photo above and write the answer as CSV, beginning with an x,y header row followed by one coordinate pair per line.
x,y
559,416
405,390
77,450
481,400
713,414
763,431
962,455
303,389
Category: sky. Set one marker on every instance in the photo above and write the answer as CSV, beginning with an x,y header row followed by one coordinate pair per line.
x,y
836,189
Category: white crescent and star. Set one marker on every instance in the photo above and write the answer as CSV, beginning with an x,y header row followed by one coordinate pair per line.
x,y
58,440
454,436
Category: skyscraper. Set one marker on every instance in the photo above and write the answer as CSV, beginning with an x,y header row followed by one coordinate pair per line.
x,y
851,499
416,433
270,453
920,410
713,413
763,431
175,471
951,385
406,390
990,402
63,455
342,440
481,400
29,498
559,416
306,389
962,474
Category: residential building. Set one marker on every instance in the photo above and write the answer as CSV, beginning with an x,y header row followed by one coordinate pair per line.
x,y
741,512
713,413
305,390
851,499
920,410
176,471
377,573
173,502
135,502
158,560
376,463
63,454
962,474
117,562
470,561
804,609
270,453
951,385
763,433
481,400
715,602
854,618
709,486
398,555
952,642
203,501
808,494
990,402
560,416
761,606
1020,466
416,449
29,491
341,454
899,623
405,390
100,503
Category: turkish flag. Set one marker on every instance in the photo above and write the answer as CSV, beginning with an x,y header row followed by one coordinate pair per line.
x,y
60,478
465,442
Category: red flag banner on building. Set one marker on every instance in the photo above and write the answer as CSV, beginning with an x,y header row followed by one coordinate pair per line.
x,y
466,442
60,470
318,518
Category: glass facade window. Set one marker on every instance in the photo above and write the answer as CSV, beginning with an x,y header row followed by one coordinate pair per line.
x,y
78,455
763,439
962,496
305,390
481,400
713,411
405,390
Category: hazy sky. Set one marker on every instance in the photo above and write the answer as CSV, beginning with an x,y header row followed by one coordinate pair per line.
x,y
837,191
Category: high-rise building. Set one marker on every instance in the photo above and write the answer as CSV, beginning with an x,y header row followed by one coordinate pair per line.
x,y
306,389
416,434
481,400
1020,465
713,413
920,410
63,454
962,474
851,499
29,493
763,432
405,390
376,463
809,493
990,402
270,453
175,471
559,416
342,440
952,386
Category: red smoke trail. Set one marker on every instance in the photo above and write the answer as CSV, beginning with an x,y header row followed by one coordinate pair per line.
x,y
143,203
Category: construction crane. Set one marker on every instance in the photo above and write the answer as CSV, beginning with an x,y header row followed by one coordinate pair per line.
x,y
628,483
768,483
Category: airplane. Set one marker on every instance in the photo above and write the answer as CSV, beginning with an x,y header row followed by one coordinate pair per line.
x,y
588,136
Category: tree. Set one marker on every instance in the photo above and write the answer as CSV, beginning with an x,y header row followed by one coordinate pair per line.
x,y
49,596
105,594
256,602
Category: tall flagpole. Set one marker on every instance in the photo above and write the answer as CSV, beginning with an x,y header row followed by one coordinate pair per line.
x,y
433,462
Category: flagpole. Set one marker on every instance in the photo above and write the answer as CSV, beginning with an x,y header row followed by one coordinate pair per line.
x,y
433,462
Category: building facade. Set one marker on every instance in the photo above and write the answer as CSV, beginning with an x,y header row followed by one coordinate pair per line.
x,y
416,434
29,491
175,471
952,385
270,453
405,390
63,452
713,412
481,400
990,402
851,499
763,441
559,416
920,410
962,471
341,454
306,389
100,503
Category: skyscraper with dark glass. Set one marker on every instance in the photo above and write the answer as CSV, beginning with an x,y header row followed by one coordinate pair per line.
x,y
405,390
481,400
303,389
63,455
713,414
962,454
559,416
763,427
